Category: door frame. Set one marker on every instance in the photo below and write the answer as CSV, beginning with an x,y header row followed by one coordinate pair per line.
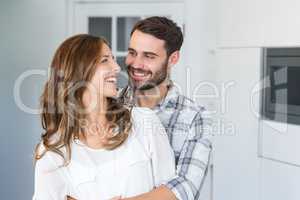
x,y
70,8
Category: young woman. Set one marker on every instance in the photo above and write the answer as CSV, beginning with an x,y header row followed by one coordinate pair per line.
x,y
94,147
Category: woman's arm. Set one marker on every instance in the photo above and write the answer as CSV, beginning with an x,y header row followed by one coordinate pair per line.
x,y
49,183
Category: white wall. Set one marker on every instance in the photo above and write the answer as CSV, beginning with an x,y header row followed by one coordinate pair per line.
x,y
245,26
200,42
235,159
30,32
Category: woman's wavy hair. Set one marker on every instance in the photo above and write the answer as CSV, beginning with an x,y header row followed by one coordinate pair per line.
x,y
73,65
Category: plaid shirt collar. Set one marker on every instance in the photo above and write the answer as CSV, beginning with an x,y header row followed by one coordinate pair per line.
x,y
170,99
127,97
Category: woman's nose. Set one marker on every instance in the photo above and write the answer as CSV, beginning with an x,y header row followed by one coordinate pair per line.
x,y
116,67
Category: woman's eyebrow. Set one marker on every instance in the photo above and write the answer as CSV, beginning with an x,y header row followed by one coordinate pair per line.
x,y
108,56
131,49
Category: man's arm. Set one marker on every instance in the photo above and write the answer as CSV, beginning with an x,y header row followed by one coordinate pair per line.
x,y
161,192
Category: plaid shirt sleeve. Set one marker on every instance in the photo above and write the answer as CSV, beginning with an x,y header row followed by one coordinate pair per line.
x,y
193,162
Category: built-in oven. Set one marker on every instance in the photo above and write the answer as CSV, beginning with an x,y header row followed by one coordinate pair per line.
x,y
281,93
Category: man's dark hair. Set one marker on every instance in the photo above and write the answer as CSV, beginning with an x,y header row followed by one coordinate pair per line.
x,y
163,29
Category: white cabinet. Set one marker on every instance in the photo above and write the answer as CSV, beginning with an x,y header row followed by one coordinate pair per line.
x,y
258,23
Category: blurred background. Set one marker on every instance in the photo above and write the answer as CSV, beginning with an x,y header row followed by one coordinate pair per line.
x,y
226,65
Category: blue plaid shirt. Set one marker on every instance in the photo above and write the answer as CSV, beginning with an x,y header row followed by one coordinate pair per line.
x,y
189,138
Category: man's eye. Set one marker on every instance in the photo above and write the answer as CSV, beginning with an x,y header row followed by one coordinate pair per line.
x,y
150,57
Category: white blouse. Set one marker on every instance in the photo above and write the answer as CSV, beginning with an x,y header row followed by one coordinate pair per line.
x,y
144,161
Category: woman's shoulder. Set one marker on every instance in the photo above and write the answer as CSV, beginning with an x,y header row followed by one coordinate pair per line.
x,y
146,124
139,119
142,118
142,113
145,117
48,160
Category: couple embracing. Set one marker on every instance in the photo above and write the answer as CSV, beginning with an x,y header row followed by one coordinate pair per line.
x,y
147,143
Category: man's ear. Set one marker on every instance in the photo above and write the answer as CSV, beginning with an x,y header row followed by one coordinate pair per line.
x,y
173,58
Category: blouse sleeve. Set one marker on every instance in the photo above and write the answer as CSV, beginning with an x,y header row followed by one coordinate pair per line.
x,y
162,155
49,183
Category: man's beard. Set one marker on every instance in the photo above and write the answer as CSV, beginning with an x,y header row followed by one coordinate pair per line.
x,y
157,78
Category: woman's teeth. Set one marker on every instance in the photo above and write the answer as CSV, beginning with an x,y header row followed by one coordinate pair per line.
x,y
111,80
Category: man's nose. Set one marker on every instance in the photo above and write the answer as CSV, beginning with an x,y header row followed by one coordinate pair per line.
x,y
137,63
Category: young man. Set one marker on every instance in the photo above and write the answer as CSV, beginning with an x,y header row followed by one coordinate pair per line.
x,y
153,49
